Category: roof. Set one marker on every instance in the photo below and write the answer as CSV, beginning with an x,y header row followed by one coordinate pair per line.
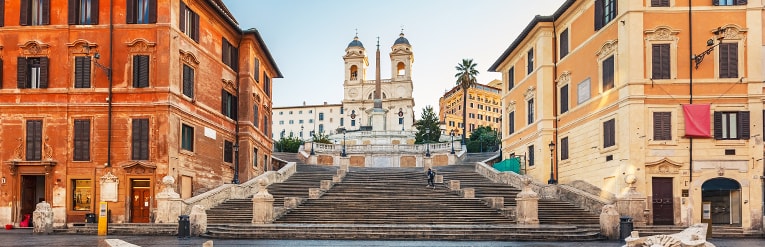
x,y
401,40
255,32
537,19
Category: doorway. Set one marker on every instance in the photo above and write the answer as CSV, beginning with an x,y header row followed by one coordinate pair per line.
x,y
140,206
32,192
724,195
663,203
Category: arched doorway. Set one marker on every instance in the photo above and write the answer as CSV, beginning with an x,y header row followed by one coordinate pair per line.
x,y
724,195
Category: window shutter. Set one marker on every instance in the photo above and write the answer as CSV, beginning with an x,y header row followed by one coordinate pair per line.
x,y
86,72
564,99
24,13
598,14
717,120
140,71
223,102
34,140
743,125
564,148
256,73
182,18
608,73
1,67
72,13
234,108
715,2
255,117
82,72
144,139
660,61
43,72
135,139
94,12
511,78
46,12
738,2
188,81
733,61
130,9
86,140
225,52
563,43
152,11
511,124
21,72
195,28
2,13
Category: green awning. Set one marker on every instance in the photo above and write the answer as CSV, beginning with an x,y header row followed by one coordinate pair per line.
x,y
509,165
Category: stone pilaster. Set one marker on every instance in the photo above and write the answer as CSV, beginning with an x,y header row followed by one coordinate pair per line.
x,y
262,205
314,193
345,162
609,222
326,185
169,203
43,218
468,193
439,179
198,220
528,204
454,185
427,162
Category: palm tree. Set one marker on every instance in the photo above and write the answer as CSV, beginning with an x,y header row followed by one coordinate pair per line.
x,y
466,73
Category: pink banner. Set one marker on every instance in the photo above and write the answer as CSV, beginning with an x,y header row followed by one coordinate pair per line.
x,y
697,120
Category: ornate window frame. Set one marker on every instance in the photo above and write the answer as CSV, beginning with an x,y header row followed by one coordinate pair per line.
x,y
661,35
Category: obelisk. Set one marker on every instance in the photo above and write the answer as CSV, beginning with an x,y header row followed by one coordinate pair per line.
x,y
378,113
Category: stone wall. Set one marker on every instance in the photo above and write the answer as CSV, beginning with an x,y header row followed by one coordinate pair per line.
x,y
408,161
325,160
358,161
440,160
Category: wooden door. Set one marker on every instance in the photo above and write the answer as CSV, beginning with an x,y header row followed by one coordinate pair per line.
x,y
28,194
140,206
663,206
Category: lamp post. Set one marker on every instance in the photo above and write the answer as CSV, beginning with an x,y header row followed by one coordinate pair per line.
x,y
312,141
236,165
552,175
451,133
343,154
427,145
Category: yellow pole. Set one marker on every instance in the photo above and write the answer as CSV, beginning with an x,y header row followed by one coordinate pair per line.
x,y
102,218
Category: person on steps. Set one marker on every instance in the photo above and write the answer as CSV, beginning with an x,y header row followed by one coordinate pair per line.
x,y
431,176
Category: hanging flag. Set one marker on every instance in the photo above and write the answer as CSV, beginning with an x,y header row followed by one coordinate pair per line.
x,y
697,120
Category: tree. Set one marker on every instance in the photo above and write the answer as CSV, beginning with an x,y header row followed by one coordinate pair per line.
x,y
321,138
466,73
289,144
428,121
483,138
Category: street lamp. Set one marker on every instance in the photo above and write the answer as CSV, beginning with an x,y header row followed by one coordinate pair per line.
x,y
312,141
236,165
451,133
427,145
552,175
711,44
343,154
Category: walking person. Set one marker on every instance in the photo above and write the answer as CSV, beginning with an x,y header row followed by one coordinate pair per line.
x,y
431,176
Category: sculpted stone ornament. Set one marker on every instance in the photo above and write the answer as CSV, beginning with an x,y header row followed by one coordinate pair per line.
x,y
262,205
528,202
694,236
43,218
168,191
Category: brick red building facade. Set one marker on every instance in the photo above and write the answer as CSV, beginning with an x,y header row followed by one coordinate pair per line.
x,y
129,92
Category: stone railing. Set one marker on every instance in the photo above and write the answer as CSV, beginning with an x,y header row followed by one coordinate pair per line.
x,y
224,192
418,148
578,197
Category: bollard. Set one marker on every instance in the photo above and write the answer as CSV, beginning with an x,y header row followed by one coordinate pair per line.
x,y
625,227
184,229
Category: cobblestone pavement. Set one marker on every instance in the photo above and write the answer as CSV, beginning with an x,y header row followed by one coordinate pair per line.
x,y
24,237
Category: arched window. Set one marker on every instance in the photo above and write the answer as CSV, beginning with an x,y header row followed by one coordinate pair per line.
x,y
354,72
400,68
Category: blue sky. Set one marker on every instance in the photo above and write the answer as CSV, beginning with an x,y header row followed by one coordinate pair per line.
x,y
307,38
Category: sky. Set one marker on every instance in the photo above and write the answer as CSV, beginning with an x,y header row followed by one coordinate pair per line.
x,y
307,39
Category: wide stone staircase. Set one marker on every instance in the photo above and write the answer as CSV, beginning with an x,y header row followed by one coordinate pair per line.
x,y
386,203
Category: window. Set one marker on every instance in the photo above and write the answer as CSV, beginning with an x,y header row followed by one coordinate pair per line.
x,y
353,122
188,81
609,133
265,124
189,22
2,12
34,12
255,158
471,104
321,128
400,120
82,72
256,68
530,61
266,84
140,139
34,140
300,112
660,61
531,155
605,12
563,99
32,72
141,11
140,71
662,126
342,122
321,116
230,55
228,104
530,111
342,111
608,73
187,138
82,194
727,2
728,60
255,117
563,44
81,140
301,121
292,121
564,148
511,123
83,12
310,120
228,151
281,122
731,125
660,3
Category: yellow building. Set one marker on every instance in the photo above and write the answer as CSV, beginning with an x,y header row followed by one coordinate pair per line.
x,y
599,91
483,108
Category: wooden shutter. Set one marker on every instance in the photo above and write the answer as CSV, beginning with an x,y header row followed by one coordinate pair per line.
x,y
265,124
563,43
564,99
72,13
82,72
738,2
34,140
511,122
662,126
81,140
46,12
152,11
140,139
743,125
135,139
660,61
662,3
255,116
195,28
256,73
2,13
223,102
130,8
717,120
728,60
227,151
234,108
1,69
188,81
225,58
140,71
21,72
564,148
598,14
43,72
182,18
609,133
608,73
511,78
24,13
93,12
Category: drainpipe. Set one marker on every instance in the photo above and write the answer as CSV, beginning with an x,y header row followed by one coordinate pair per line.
x,y
236,121
555,100
109,77
690,89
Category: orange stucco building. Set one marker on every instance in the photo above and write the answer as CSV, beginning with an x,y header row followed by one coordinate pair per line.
x,y
483,109
126,94
598,93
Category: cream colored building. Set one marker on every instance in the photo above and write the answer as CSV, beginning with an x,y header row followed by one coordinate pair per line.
x,y
605,81
483,108
303,121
